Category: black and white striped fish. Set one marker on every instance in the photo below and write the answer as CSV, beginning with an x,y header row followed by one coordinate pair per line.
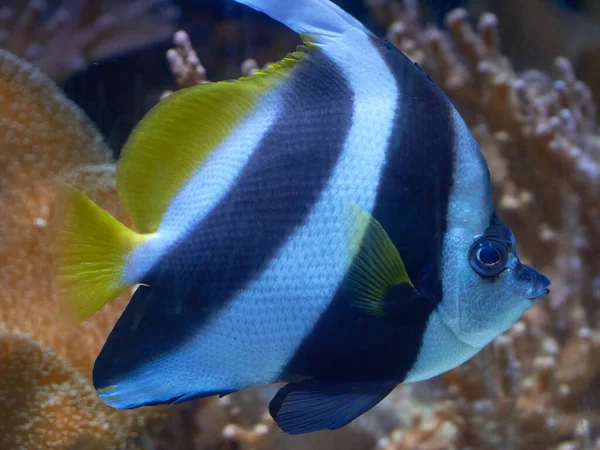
x,y
326,222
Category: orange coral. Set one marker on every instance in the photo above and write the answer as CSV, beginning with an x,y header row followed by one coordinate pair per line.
x,y
49,404
45,138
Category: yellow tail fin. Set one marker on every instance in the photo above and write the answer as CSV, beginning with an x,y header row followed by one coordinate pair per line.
x,y
92,247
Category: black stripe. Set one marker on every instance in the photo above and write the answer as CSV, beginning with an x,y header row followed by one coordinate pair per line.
x,y
412,202
232,245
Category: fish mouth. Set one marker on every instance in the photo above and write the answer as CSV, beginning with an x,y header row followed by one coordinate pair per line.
x,y
537,294
540,290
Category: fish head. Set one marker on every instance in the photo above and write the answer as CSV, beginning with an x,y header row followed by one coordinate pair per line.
x,y
495,288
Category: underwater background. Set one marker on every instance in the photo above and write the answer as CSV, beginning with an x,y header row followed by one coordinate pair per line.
x,y
77,75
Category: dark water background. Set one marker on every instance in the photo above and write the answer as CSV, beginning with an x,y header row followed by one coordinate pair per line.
x,y
115,93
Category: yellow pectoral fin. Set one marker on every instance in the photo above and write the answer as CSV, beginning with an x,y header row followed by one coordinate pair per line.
x,y
92,247
376,266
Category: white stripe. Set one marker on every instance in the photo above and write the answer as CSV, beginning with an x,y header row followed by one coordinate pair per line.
x,y
207,186
468,215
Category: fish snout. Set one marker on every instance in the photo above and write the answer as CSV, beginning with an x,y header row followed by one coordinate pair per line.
x,y
538,283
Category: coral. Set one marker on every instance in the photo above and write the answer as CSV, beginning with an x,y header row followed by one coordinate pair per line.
x,y
45,138
575,35
65,38
184,62
51,404
241,421
186,67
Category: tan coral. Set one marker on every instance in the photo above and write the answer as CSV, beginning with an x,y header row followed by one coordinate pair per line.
x,y
186,67
48,404
44,139
184,62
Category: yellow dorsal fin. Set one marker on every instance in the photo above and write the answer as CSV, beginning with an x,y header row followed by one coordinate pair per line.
x,y
376,266
176,136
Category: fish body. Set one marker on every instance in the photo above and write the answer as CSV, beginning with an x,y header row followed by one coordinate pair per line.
x,y
327,222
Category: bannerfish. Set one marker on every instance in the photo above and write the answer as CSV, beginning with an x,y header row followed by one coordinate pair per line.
x,y
326,222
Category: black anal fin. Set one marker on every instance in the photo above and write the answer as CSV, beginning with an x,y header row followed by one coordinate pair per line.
x,y
314,405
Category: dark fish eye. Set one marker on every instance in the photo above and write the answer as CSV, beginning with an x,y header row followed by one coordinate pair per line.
x,y
488,257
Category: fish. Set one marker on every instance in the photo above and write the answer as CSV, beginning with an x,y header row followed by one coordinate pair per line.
x,y
326,223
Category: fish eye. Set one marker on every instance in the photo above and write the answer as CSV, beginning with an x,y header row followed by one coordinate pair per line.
x,y
488,257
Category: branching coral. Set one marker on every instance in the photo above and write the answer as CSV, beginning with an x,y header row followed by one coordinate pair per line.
x,y
186,67
236,421
45,138
241,421
64,39
184,62
575,35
